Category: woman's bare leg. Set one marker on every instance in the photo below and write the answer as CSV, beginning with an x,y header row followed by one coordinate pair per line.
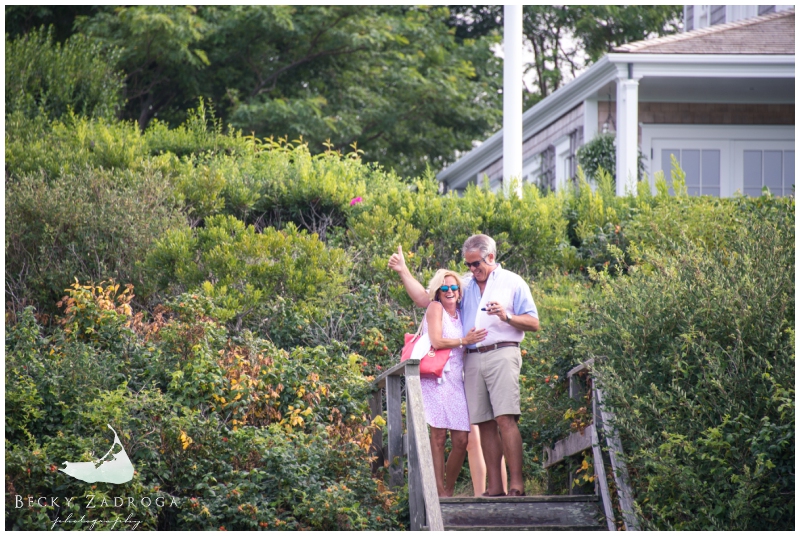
x,y
459,440
477,466
504,474
438,439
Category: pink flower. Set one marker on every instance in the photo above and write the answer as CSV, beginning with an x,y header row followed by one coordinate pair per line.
x,y
355,201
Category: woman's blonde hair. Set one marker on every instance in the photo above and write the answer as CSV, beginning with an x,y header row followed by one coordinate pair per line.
x,y
438,280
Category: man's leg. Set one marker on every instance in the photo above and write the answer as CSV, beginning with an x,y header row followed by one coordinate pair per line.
x,y
512,448
492,454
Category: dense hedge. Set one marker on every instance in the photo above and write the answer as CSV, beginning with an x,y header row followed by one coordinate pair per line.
x,y
237,376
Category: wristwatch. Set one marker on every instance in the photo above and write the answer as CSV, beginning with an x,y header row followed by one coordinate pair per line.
x,y
509,316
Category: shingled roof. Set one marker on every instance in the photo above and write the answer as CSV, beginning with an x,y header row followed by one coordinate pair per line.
x,y
767,34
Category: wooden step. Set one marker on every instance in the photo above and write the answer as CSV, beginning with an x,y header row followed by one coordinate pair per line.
x,y
541,512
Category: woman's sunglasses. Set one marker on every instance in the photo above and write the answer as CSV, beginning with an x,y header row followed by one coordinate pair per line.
x,y
445,288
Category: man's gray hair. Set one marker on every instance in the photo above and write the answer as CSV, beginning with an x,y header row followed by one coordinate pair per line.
x,y
480,242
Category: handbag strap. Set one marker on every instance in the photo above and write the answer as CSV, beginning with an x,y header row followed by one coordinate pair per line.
x,y
419,329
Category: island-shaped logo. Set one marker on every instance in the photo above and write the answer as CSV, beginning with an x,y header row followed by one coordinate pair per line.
x,y
115,467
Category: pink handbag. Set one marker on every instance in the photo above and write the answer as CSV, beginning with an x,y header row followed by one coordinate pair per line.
x,y
434,361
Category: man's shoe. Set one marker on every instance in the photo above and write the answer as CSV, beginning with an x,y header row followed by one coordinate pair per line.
x,y
516,493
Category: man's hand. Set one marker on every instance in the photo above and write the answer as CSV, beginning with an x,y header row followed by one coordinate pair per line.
x,y
397,262
496,309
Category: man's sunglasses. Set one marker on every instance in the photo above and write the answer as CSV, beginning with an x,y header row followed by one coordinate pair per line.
x,y
445,288
476,263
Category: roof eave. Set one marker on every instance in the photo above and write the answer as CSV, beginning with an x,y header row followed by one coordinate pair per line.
x,y
542,114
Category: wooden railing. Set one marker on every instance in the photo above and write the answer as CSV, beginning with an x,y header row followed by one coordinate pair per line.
x,y
590,438
423,500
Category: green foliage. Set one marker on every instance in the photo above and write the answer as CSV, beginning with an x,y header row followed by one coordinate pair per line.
x,y
70,145
159,52
43,77
700,368
241,269
598,153
239,377
246,436
600,156
92,224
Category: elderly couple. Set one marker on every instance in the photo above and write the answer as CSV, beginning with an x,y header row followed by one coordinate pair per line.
x,y
482,319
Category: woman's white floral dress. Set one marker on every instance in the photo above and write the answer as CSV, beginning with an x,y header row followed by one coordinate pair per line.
x,y
445,402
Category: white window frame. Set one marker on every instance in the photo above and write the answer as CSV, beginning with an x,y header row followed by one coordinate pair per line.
x,y
562,146
532,170
739,147
730,140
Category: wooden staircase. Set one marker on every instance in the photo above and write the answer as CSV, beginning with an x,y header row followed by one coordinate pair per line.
x,y
541,512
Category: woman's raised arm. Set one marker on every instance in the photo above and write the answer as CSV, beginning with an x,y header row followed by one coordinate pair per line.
x,y
414,288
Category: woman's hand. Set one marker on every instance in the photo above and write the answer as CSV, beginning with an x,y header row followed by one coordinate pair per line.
x,y
475,335
397,261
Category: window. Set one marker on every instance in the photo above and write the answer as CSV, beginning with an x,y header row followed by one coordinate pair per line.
x,y
701,166
723,159
773,169
701,16
548,176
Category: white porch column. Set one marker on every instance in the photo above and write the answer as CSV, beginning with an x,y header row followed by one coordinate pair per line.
x,y
627,135
512,97
590,114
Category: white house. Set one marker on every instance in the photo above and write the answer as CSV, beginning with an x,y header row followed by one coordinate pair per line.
x,y
720,98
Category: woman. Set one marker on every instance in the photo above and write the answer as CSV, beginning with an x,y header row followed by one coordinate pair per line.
x,y
444,400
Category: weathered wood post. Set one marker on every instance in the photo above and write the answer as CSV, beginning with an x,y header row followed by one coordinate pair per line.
x,y
376,408
394,423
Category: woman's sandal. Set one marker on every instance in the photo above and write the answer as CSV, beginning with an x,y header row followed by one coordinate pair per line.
x,y
516,493
486,494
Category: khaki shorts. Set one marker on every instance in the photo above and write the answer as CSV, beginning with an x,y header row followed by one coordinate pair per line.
x,y
491,382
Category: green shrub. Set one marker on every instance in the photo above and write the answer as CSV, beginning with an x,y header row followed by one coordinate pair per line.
x,y
699,366
241,269
52,79
92,224
601,154
246,436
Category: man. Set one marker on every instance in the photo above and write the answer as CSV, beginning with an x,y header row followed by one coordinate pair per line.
x,y
499,301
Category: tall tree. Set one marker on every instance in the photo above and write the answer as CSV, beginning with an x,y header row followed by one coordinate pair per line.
x,y
160,53
567,38
391,79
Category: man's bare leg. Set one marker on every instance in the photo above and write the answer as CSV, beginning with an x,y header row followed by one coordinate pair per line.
x,y
492,454
512,448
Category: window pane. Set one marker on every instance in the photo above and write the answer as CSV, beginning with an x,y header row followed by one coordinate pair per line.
x,y
788,172
693,190
752,173
666,165
690,162
773,171
711,172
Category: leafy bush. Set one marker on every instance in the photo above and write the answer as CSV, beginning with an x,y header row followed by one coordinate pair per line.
x,y
241,269
698,362
601,154
245,436
92,224
54,79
